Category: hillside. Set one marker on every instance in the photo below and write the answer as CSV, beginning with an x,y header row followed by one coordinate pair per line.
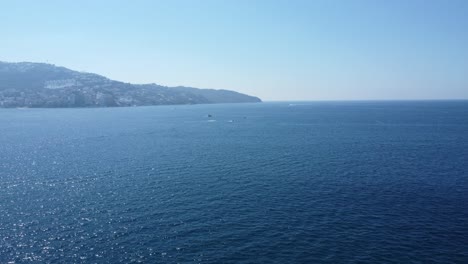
x,y
27,84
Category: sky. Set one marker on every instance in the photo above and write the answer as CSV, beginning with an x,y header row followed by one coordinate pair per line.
x,y
277,50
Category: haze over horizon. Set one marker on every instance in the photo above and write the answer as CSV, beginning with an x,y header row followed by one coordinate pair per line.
x,y
277,50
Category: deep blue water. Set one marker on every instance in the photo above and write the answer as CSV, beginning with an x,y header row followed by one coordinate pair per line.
x,y
331,182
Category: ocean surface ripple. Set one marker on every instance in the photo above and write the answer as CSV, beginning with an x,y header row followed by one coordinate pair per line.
x,y
312,182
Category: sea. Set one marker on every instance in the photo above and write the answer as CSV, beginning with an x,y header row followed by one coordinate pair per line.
x,y
274,182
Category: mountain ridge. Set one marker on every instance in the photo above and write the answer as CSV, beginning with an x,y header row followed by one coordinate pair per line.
x,y
33,84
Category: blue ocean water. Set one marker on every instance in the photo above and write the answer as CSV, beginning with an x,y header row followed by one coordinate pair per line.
x,y
312,182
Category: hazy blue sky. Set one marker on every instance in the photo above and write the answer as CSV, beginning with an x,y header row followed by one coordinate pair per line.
x,y
278,50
